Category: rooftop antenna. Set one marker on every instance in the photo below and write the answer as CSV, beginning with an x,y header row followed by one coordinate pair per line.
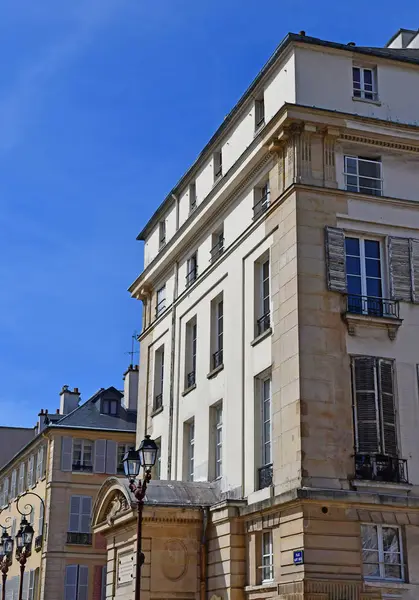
x,y
133,351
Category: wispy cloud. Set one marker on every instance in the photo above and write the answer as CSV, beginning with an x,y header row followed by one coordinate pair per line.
x,y
20,101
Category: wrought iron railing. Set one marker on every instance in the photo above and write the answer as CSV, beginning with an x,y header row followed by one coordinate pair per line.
x,y
378,467
190,379
160,307
191,276
263,324
83,466
80,539
162,242
218,173
372,306
158,401
261,206
217,250
38,543
265,476
217,359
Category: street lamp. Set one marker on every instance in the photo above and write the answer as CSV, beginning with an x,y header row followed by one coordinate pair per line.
x,y
133,460
6,554
24,539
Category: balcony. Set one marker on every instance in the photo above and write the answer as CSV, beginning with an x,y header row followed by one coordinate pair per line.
x,y
263,324
38,543
377,467
79,539
265,477
369,311
217,359
217,250
83,467
158,402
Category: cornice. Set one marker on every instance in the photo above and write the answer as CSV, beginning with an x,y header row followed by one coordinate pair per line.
x,y
363,139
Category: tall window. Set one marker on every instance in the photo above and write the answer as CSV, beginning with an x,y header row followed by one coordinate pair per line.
x,y
364,276
190,450
76,582
267,557
190,358
5,496
13,485
363,175
158,378
364,83
162,233
30,471
21,482
382,554
122,450
80,514
160,301
259,112
40,463
192,197
158,459
261,199
374,406
217,244
82,455
218,165
262,296
217,331
191,269
218,440
265,471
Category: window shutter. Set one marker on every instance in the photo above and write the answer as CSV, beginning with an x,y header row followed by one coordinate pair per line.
x,y
100,456
86,512
41,520
21,483
25,589
335,260
13,529
365,405
74,522
30,471
6,490
414,266
13,485
2,502
70,582
388,411
399,268
67,454
111,456
83,582
31,585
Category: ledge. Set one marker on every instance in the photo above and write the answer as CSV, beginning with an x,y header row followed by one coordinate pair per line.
x,y
381,486
353,321
261,337
366,100
215,371
157,411
189,389
269,585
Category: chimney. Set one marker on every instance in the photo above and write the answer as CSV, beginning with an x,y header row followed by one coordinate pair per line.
x,y
131,379
41,420
69,400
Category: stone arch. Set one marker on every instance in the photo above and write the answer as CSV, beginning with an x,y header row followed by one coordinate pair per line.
x,y
113,498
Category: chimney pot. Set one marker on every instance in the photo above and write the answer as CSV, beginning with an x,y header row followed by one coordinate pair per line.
x,y
351,44
46,411
58,411
302,32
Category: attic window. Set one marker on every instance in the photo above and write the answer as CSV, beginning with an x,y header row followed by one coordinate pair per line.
x,y
110,407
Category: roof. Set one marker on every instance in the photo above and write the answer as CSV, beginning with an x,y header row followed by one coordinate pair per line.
x,y
181,493
406,55
401,30
12,440
88,415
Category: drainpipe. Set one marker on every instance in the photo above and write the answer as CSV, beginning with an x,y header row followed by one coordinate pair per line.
x,y
203,555
172,373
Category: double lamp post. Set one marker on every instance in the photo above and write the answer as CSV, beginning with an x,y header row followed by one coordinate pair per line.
x,y
145,457
23,539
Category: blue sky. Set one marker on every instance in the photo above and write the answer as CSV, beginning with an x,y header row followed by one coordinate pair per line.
x,y
103,105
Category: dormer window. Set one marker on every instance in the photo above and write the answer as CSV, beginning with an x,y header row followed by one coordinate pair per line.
x,y
364,82
110,407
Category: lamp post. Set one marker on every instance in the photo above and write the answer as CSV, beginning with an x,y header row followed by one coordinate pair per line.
x,y
6,554
145,457
24,538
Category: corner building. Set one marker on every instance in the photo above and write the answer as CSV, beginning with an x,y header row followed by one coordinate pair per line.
x,y
279,349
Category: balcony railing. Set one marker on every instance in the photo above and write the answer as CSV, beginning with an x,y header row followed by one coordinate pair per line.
x,y
158,401
160,307
217,250
263,324
38,543
162,242
372,306
217,359
218,173
191,276
265,476
80,539
261,206
377,467
190,379
86,467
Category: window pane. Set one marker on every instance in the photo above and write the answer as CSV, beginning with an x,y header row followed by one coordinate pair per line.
x,y
353,265
367,76
369,537
369,168
372,249
354,285
374,288
393,571
352,246
391,539
372,268
356,75
351,165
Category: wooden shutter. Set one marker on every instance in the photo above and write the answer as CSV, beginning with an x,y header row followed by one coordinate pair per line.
x,y
100,456
74,521
41,520
66,454
30,471
111,456
399,268
85,514
335,260
387,405
414,269
70,584
25,589
83,582
31,585
21,484
365,405
6,490
13,485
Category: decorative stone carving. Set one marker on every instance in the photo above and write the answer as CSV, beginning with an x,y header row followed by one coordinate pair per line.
x,y
175,560
118,505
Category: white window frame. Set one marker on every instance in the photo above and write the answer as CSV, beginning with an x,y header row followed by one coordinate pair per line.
x,y
383,263
359,159
380,551
362,91
218,440
30,472
267,558
259,112
162,233
158,458
158,377
263,402
40,458
192,269
80,514
21,486
125,447
190,450
218,165
161,300
84,444
192,196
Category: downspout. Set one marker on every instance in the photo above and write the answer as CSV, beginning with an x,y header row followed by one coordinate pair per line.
x,y
172,373
203,555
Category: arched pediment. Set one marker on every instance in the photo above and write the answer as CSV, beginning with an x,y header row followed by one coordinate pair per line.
x,y
113,498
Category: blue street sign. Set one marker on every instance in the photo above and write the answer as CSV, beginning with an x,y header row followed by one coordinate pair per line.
x,y
298,557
